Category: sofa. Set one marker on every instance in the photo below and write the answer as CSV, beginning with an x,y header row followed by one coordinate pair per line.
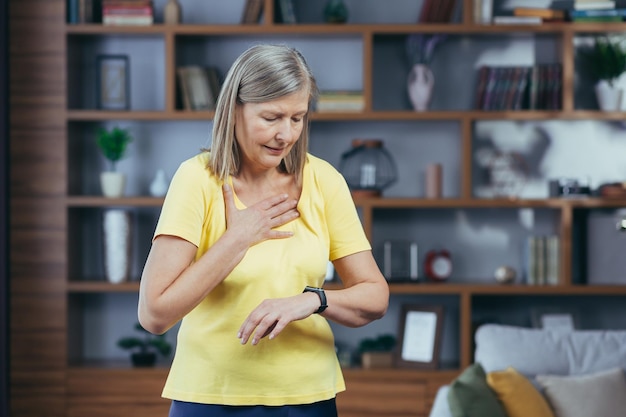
x,y
521,371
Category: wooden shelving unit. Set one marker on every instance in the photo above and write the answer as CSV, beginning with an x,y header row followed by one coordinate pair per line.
x,y
48,201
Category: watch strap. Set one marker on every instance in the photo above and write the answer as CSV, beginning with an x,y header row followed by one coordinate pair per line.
x,y
321,294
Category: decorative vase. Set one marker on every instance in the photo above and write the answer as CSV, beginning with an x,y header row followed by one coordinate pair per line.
x,y
335,11
112,184
610,98
159,185
172,13
117,243
420,86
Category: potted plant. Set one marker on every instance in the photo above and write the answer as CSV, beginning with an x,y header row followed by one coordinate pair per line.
x,y
420,50
113,144
605,60
377,352
145,347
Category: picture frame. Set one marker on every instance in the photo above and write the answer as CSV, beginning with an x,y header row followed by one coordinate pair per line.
x,y
197,85
419,336
555,318
113,82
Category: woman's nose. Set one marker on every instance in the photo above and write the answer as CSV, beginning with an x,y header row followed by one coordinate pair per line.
x,y
285,130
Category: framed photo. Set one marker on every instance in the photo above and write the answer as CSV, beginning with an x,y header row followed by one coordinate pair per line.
x,y
112,82
419,337
197,87
555,318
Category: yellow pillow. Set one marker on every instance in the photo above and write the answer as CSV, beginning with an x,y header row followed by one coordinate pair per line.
x,y
518,395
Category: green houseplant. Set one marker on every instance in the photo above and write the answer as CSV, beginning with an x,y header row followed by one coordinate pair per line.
x,y
113,144
605,61
145,347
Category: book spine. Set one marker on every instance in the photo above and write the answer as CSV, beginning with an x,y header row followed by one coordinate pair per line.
x,y
483,75
595,13
72,11
425,11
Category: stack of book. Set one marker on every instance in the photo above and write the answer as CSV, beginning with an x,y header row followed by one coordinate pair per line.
x,y
437,11
541,254
519,88
127,12
340,101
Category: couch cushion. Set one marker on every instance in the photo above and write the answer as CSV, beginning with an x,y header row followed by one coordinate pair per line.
x,y
518,395
602,394
529,351
595,350
470,396
537,351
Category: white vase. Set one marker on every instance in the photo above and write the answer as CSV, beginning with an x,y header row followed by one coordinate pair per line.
x,y
117,244
159,185
112,184
610,98
420,85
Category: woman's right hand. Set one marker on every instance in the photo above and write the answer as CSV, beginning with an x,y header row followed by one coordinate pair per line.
x,y
259,222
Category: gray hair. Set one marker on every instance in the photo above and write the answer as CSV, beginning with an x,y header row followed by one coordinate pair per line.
x,y
262,73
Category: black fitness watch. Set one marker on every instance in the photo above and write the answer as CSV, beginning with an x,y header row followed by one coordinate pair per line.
x,y
321,294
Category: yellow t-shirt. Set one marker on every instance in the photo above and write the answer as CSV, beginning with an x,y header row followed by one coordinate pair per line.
x,y
300,365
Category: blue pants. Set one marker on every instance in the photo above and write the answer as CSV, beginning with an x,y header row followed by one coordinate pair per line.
x,y
326,408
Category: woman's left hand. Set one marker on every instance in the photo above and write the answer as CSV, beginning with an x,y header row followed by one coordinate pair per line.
x,y
273,315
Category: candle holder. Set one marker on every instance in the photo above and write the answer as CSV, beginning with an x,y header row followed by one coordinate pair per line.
x,y
368,168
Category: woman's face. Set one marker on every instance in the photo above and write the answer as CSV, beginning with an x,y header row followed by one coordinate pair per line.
x,y
266,132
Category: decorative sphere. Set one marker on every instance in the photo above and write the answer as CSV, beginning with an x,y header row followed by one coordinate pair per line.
x,y
505,275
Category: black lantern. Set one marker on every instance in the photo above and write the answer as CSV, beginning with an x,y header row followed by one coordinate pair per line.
x,y
368,168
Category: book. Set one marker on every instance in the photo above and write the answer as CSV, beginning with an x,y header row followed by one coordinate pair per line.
x,y
72,11
340,101
517,20
127,20
486,11
285,12
578,5
552,259
549,14
598,13
252,11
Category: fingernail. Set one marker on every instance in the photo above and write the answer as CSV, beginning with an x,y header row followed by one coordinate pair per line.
x,y
271,336
239,335
255,341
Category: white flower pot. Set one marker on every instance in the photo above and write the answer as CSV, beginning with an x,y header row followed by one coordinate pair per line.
x,y
610,98
113,184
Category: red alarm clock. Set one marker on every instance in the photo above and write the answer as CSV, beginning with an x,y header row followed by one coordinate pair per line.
x,y
438,265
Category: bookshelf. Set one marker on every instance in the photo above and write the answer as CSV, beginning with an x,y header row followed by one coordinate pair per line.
x,y
61,300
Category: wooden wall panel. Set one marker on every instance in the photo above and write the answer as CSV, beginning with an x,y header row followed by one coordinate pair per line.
x,y
37,190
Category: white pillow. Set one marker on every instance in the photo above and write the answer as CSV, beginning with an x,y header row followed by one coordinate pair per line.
x,y
601,394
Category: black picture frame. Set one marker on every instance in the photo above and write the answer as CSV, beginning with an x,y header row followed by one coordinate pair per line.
x,y
419,337
112,82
